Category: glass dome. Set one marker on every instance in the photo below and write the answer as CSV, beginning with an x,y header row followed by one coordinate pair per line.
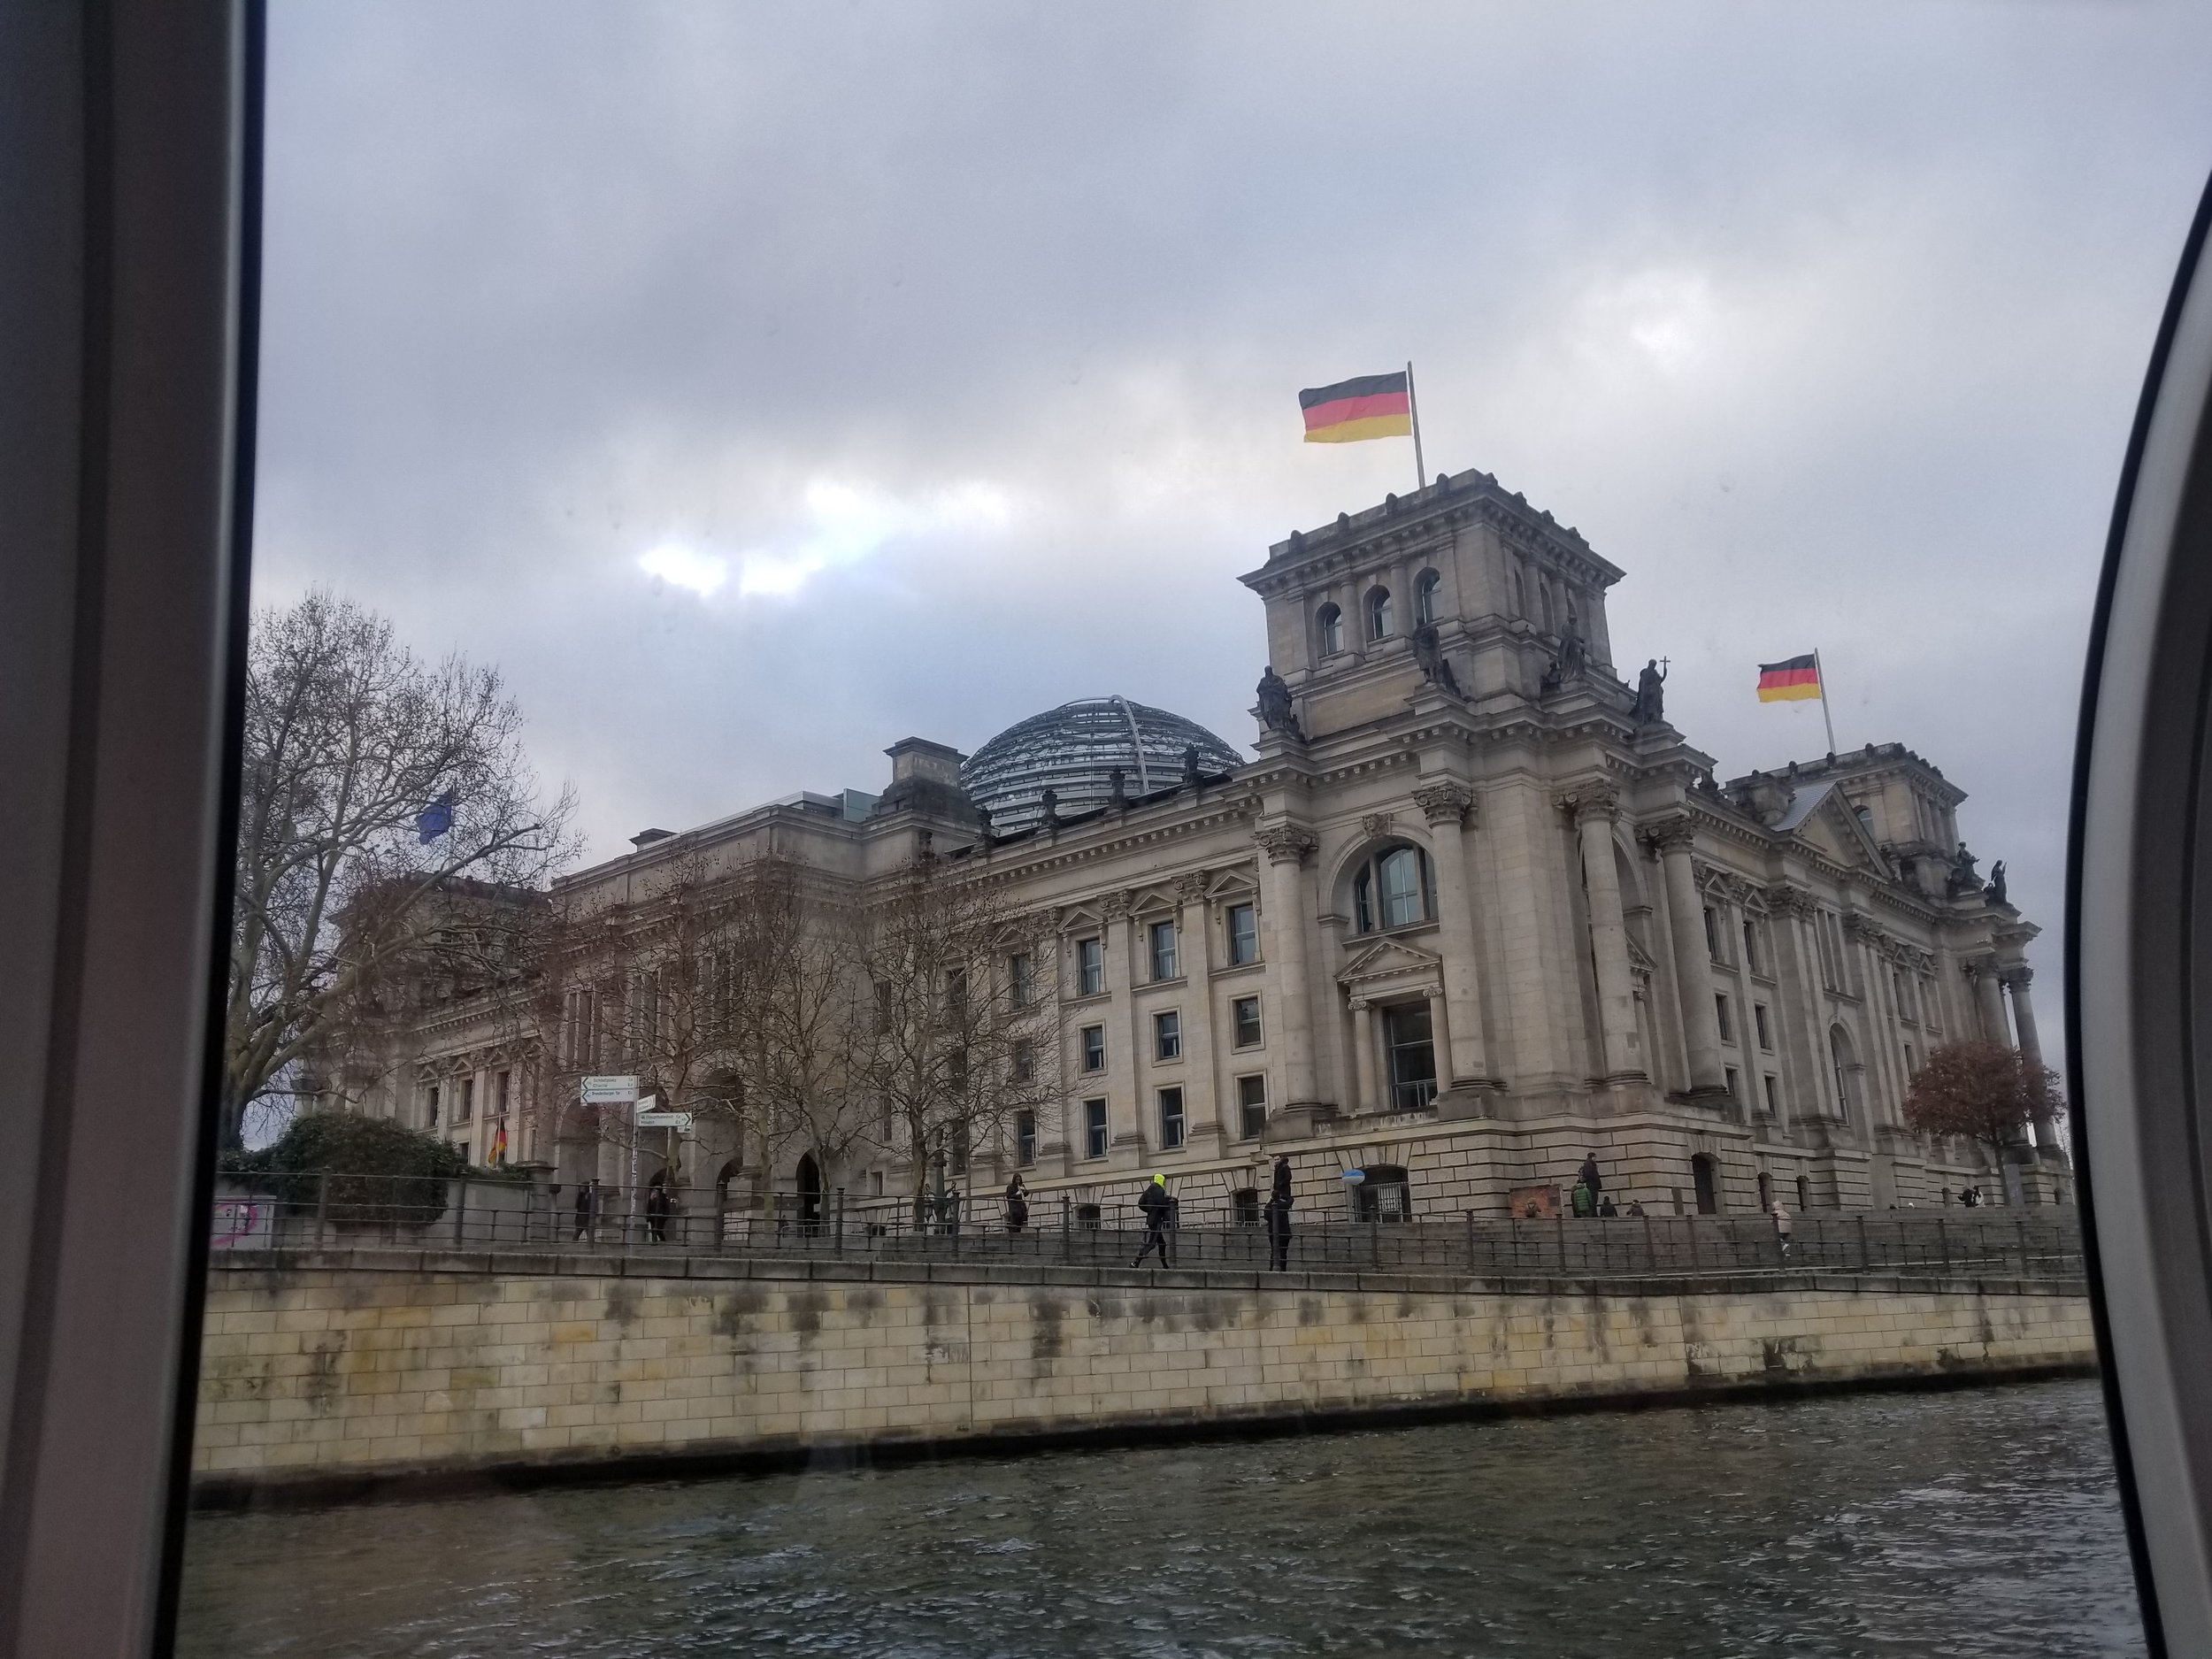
x,y
1072,750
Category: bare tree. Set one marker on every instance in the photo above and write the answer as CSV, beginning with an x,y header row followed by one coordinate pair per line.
x,y
386,805
964,1032
1986,1091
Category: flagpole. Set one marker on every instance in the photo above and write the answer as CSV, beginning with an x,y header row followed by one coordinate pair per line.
x,y
1413,408
1821,673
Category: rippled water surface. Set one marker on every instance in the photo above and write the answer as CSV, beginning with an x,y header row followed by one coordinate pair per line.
x,y
1982,1522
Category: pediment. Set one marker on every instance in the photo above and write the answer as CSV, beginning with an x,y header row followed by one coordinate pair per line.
x,y
1833,828
1388,963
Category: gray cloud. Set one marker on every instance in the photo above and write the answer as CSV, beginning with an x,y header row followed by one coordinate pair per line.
x,y
1825,324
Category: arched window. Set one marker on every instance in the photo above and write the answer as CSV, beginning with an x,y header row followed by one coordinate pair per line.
x,y
1804,1193
1378,613
1392,889
1330,624
1520,596
1843,1054
1766,1190
1424,598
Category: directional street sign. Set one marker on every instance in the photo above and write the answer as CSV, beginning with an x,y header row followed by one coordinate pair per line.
x,y
610,1091
663,1120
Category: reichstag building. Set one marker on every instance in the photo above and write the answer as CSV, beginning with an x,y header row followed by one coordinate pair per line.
x,y
1471,910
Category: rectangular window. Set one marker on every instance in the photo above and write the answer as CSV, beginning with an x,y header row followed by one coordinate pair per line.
x,y
1774,1095
1025,1139
1167,1036
1912,1066
430,1109
1412,1054
1024,1061
1170,1118
1735,1090
466,1109
1244,936
1712,932
957,990
1751,947
1094,1048
1759,1019
1090,967
1245,1014
1017,980
1251,1107
1094,1128
1164,964
1727,1025
502,1092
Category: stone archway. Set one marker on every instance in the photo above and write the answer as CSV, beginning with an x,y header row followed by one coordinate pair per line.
x,y
808,1178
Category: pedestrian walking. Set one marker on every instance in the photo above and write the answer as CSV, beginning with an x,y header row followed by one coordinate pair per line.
x,y
657,1208
1279,1203
1155,1205
1781,1226
584,1207
1582,1199
1016,1204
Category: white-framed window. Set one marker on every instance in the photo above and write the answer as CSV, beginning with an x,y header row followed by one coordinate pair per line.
x,y
1252,1106
1759,1021
1727,1023
1392,889
1774,1095
1024,1061
1020,981
1093,1041
1025,1141
1424,598
1167,1035
1244,1020
1166,964
1378,613
1170,1118
1329,626
1244,935
1094,1128
1090,967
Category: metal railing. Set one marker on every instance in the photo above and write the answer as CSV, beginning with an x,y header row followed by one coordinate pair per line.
x,y
2044,1245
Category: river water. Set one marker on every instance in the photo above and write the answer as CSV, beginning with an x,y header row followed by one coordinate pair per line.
x,y
1977,1522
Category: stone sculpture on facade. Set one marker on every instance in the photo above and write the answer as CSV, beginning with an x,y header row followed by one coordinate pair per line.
x,y
1995,891
1278,713
1428,651
1651,702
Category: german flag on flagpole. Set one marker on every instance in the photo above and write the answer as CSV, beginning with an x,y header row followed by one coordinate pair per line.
x,y
1788,681
1372,406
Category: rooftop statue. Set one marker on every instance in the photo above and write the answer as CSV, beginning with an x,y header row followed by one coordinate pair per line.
x,y
1276,711
1428,651
1995,891
1651,704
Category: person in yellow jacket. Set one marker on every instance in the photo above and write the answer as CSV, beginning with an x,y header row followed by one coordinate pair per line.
x,y
1156,1206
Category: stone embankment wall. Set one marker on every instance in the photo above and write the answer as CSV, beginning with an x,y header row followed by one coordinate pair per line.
x,y
324,1367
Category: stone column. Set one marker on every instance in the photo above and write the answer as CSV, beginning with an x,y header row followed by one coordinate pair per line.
x,y
1990,1000
1197,960
1363,1053
1693,979
1440,1034
1445,805
1593,808
1288,915
2017,979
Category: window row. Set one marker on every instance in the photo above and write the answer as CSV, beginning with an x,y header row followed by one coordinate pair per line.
x,y
1762,1028
1380,615
1167,1035
1171,1124
1163,951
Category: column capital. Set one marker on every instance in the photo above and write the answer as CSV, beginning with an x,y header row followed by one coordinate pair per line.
x,y
1444,802
1191,888
1594,799
1977,967
1788,901
1285,843
1116,906
1672,834
2019,976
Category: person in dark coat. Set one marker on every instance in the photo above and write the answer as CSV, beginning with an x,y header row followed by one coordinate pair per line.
x,y
583,1207
1016,1204
657,1208
1156,1204
1589,1176
1278,1213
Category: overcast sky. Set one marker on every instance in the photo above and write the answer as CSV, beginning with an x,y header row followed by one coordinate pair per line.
x,y
756,385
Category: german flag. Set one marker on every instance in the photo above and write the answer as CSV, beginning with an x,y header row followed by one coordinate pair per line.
x,y
1790,681
1372,406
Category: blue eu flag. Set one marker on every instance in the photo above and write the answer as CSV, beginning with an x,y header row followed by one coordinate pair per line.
x,y
435,820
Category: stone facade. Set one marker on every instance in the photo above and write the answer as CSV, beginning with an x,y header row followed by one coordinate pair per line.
x,y
1474,909
311,1372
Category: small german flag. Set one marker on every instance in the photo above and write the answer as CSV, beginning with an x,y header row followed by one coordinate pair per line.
x,y
1372,406
1791,681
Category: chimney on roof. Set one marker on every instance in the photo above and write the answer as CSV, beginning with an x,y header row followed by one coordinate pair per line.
x,y
646,837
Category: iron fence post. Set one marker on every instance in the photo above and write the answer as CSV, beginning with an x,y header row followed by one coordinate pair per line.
x,y
838,1221
2022,1224
322,1211
1865,1262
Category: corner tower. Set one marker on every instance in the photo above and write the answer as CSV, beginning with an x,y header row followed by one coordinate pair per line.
x,y
1462,583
